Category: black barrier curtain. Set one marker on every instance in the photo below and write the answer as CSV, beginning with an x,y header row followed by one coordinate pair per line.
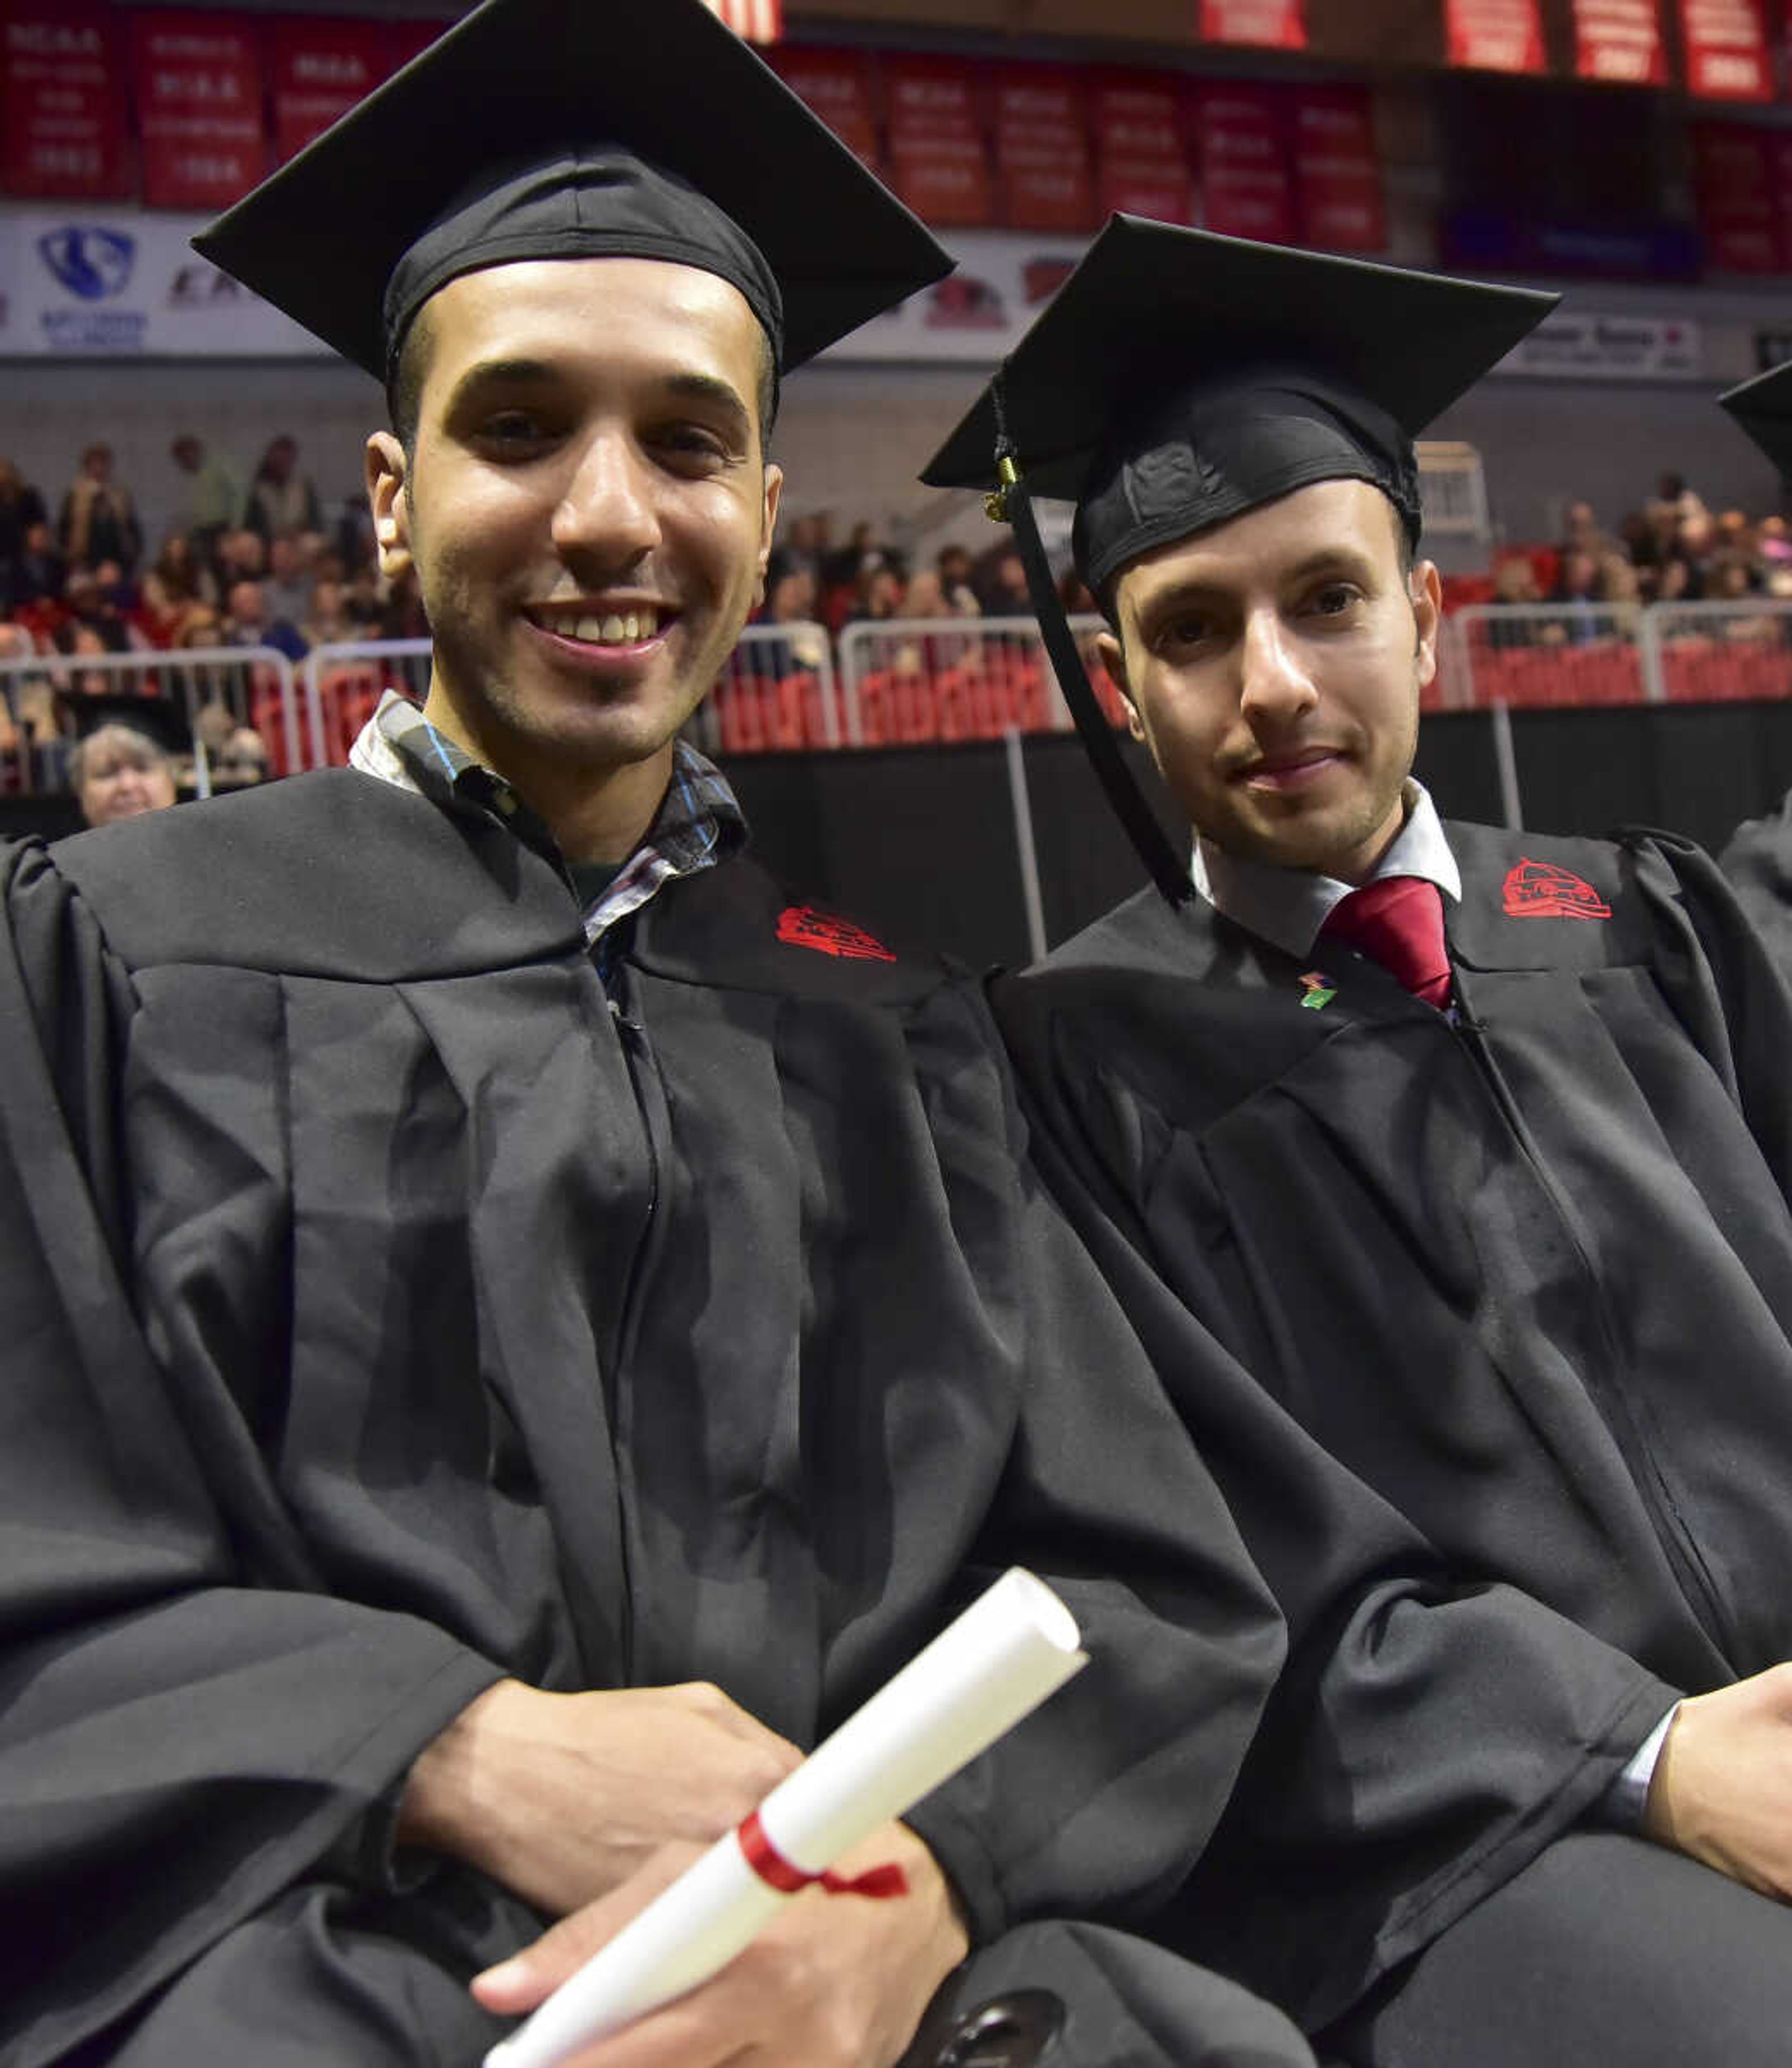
x,y
921,841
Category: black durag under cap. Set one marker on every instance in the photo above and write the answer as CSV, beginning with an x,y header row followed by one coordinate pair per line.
x,y
580,202
1212,451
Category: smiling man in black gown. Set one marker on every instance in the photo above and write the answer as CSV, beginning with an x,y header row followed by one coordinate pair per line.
x,y
517,1323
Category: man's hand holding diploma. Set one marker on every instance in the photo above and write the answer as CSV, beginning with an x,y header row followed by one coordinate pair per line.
x,y
562,1798
993,1665
834,1981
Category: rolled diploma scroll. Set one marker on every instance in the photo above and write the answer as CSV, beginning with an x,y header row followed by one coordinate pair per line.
x,y
999,1661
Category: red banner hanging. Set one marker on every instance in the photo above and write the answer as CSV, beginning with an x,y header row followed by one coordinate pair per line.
x,y
1727,57
1741,208
406,39
1495,35
1278,25
1247,183
323,66
1620,41
198,84
836,86
1339,199
1042,149
938,162
62,103
1141,159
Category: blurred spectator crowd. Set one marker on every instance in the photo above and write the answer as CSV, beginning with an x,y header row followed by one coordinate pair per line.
x,y
1672,549
254,562
258,562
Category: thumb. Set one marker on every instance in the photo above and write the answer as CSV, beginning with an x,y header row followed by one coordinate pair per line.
x,y
518,1984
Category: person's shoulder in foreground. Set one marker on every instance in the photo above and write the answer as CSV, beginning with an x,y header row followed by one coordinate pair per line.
x,y
519,1324
1470,1146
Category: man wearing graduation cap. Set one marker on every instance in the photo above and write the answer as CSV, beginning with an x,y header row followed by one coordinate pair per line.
x,y
515,1323
1475,1147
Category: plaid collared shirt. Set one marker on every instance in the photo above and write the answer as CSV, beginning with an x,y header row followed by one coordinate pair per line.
x,y
698,823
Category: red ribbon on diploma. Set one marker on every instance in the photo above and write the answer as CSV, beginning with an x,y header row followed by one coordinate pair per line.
x,y
771,1867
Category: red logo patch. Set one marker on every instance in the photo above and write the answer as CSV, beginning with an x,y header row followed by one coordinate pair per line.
x,y
802,926
1540,890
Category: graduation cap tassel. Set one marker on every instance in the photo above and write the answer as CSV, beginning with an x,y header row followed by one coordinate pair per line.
x,y
1013,502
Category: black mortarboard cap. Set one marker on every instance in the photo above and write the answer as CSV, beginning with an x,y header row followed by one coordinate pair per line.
x,y
1179,379
160,720
1763,408
567,128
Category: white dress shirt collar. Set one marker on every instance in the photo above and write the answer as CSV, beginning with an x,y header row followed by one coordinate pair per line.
x,y
1287,907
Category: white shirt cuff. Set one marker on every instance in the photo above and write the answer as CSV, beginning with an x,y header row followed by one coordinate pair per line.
x,y
1623,1805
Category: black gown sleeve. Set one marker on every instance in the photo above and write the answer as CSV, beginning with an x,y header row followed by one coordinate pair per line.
x,y
179,1728
1433,1729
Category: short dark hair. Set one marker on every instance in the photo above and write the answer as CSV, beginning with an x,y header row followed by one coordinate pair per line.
x,y
405,384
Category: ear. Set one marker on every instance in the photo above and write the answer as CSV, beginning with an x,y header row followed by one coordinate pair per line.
x,y
1114,658
388,494
768,525
1427,593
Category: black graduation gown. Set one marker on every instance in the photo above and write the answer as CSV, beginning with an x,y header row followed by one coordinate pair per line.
x,y
1528,1277
389,1308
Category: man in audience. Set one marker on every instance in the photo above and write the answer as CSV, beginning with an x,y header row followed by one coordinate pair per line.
x,y
282,501
212,494
248,622
520,1323
21,507
99,519
953,567
792,602
286,588
1476,1148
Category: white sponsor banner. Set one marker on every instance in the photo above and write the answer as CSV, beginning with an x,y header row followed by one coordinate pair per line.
x,y
979,313
114,283
86,281
1610,347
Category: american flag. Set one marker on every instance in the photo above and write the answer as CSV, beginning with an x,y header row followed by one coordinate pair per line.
x,y
759,21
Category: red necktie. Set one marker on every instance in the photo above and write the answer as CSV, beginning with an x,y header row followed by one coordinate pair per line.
x,y
1398,921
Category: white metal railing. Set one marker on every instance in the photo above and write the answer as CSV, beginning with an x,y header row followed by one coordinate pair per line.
x,y
778,689
908,681
1546,653
1577,654
344,684
1714,653
254,683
